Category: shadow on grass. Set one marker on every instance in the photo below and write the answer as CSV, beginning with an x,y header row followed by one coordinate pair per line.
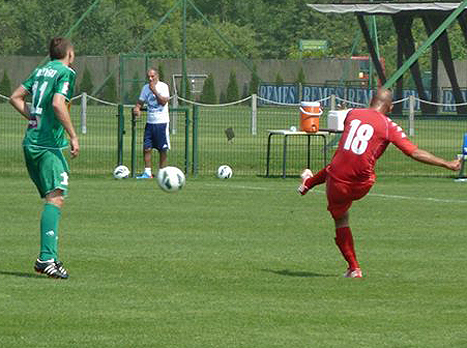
x,y
289,273
22,274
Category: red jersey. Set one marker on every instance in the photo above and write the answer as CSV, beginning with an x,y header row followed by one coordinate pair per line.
x,y
367,134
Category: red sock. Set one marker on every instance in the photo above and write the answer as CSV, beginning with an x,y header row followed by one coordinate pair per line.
x,y
317,179
344,241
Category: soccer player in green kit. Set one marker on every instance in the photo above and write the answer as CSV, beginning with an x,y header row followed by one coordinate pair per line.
x,y
51,88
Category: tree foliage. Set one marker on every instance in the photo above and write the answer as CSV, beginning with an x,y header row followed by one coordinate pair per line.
x,y
208,94
160,70
9,27
205,42
232,93
279,79
5,85
109,92
222,98
300,76
132,95
86,84
267,29
254,82
188,89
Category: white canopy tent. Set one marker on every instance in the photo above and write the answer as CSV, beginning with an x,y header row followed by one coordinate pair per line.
x,y
385,8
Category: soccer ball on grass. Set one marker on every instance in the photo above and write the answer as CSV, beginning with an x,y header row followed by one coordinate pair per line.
x,y
121,172
224,172
170,179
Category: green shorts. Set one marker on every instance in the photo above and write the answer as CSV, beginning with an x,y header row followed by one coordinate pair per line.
x,y
47,168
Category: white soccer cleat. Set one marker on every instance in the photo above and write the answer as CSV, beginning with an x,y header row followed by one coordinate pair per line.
x,y
353,273
306,174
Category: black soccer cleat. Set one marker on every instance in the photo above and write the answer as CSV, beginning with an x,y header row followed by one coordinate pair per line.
x,y
51,268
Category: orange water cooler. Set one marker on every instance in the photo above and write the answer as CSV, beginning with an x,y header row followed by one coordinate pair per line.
x,y
309,116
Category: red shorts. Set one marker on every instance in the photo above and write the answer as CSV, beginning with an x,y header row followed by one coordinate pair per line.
x,y
341,195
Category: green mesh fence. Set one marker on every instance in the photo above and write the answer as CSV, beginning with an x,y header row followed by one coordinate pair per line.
x,y
246,152
98,154
12,127
224,135
442,135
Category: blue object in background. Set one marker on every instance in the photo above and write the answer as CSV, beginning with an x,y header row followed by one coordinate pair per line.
x,y
465,145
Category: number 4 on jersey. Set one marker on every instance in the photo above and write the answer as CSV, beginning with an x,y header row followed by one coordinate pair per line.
x,y
358,137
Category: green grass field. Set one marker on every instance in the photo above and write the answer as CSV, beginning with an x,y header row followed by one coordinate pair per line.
x,y
244,262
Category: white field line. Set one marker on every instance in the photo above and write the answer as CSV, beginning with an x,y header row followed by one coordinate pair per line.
x,y
428,199
257,188
420,199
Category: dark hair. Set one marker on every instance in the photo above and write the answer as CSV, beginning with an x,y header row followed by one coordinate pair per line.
x,y
58,47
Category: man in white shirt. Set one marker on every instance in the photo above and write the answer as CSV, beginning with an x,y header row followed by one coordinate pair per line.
x,y
156,132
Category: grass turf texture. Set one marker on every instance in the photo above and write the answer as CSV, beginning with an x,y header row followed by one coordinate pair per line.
x,y
236,263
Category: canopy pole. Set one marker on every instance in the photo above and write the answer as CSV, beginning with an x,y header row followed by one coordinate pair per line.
x,y
371,48
425,45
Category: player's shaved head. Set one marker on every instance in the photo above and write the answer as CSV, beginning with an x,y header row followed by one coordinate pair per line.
x,y
382,101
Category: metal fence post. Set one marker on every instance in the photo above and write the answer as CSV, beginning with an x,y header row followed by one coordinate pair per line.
x,y
195,140
175,100
187,140
254,113
411,115
173,123
133,145
333,102
121,131
84,107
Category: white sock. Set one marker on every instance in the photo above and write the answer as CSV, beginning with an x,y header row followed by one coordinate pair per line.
x,y
148,171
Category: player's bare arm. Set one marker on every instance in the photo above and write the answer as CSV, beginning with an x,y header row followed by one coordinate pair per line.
x,y
61,111
428,158
137,108
18,100
160,99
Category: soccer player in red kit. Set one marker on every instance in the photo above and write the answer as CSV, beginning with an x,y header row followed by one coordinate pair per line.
x,y
351,173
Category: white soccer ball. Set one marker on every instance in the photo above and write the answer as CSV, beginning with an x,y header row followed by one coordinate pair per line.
x,y
170,179
224,172
121,172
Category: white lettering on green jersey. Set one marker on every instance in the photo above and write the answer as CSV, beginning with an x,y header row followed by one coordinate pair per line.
x,y
45,129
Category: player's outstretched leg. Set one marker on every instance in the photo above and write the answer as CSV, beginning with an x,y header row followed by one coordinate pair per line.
x,y
309,180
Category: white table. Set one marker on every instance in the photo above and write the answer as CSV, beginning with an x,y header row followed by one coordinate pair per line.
x,y
324,133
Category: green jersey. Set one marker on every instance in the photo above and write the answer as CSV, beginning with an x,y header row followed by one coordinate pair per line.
x,y
45,130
